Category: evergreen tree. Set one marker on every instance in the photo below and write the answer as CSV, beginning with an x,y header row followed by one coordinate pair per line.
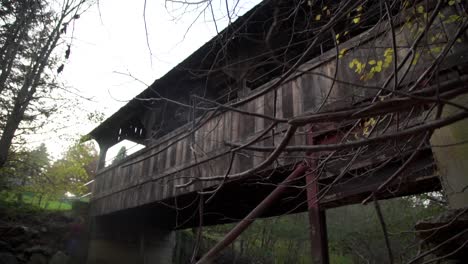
x,y
122,154
30,31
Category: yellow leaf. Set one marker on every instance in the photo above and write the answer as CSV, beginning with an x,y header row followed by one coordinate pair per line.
x,y
420,9
371,62
436,49
452,18
388,52
360,67
378,67
354,62
452,2
356,20
359,8
342,53
416,58
317,17
436,37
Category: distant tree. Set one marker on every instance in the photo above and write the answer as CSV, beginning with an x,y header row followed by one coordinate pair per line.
x,y
24,169
122,154
70,173
30,32
354,233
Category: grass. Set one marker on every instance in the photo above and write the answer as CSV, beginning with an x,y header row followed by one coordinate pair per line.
x,y
34,200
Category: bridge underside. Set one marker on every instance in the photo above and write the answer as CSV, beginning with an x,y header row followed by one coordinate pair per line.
x,y
236,199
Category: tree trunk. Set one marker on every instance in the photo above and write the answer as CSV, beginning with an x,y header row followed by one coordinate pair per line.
x,y
40,200
12,124
28,89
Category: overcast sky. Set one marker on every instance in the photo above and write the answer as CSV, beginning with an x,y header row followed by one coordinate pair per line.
x,y
114,40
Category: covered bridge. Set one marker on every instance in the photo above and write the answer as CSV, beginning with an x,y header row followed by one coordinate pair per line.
x,y
281,88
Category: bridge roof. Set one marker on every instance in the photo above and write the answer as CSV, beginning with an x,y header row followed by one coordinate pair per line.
x,y
245,36
201,59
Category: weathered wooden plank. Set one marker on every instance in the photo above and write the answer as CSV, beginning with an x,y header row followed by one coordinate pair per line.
x,y
212,134
169,164
287,100
200,143
218,133
245,160
206,137
308,93
146,194
227,136
259,126
173,155
162,161
157,161
279,103
154,190
235,126
248,123
183,150
259,109
188,150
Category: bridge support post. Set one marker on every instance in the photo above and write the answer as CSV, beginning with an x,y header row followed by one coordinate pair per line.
x,y
317,222
122,240
103,148
317,217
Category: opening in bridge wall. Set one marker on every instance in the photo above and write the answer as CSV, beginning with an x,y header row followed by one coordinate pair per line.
x,y
121,150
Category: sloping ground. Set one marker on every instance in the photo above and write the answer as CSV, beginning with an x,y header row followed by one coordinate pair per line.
x,y
31,236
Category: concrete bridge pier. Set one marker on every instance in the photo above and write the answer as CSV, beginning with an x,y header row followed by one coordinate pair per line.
x,y
450,148
115,242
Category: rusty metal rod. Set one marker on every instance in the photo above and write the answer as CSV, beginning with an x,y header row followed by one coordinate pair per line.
x,y
255,213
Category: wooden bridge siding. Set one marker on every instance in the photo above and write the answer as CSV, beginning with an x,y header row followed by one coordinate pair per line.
x,y
209,138
290,101
301,94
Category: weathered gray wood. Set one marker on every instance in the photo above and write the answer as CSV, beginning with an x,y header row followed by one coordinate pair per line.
x,y
120,187
287,103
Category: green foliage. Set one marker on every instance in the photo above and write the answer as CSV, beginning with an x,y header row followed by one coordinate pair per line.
x,y
96,117
373,64
354,233
32,173
368,69
24,168
70,173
